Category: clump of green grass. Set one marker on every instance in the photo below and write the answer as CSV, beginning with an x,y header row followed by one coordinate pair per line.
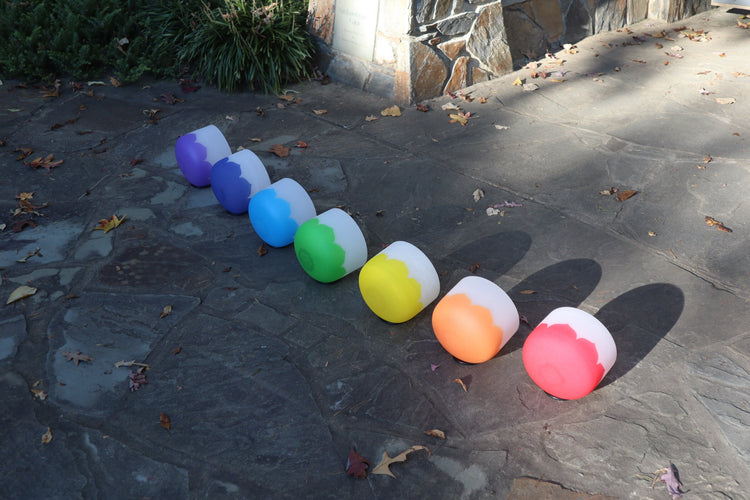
x,y
261,45
232,43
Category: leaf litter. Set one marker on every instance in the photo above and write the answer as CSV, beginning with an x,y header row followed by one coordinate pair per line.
x,y
357,465
19,293
77,357
386,461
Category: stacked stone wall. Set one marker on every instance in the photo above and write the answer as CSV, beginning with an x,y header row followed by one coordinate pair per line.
x,y
424,48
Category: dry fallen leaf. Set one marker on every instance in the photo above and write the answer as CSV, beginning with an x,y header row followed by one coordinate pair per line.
x,y
24,152
301,144
518,82
46,163
38,393
461,383
725,100
165,421
651,233
435,433
719,225
624,195
382,467
288,97
370,118
47,436
77,357
357,465
280,150
107,225
527,292
166,311
459,117
320,111
478,194
19,293
262,250
392,111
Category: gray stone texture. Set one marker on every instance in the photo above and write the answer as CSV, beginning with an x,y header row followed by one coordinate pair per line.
x,y
456,25
488,41
270,378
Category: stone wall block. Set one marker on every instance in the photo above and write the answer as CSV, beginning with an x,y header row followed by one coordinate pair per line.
x,y
525,37
428,72
479,75
350,70
320,19
459,74
393,18
430,10
680,9
610,15
488,42
637,11
452,48
578,20
659,9
456,25
549,16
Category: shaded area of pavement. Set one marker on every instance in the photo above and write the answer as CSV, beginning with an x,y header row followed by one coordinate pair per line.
x,y
269,378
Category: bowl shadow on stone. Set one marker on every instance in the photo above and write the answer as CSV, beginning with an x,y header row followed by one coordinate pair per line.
x,y
496,254
638,320
565,284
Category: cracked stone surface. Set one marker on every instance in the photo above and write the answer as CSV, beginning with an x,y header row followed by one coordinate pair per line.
x,y
270,378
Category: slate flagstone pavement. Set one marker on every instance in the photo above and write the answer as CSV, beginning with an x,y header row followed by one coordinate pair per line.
x,y
270,378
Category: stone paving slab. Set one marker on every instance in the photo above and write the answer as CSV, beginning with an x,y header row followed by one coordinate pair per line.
x,y
270,378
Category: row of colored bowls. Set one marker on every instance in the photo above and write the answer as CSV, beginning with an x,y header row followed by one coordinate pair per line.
x,y
567,355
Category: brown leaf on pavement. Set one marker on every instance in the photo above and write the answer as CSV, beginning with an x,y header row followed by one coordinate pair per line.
x,y
719,225
24,152
47,436
386,461
77,357
107,225
46,163
262,250
280,150
357,465
19,293
725,100
394,111
165,421
624,195
166,311
435,433
461,383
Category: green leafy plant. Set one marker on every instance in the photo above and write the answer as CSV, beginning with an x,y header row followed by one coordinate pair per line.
x,y
232,43
246,42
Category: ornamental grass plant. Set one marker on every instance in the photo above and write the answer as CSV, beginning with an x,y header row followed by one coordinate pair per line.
x,y
250,43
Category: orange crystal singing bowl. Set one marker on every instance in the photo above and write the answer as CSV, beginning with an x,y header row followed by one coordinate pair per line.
x,y
474,320
466,330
